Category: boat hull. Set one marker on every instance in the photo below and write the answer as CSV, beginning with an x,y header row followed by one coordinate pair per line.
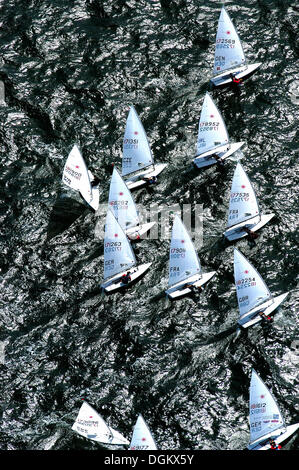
x,y
115,283
135,233
278,436
206,159
253,317
240,72
236,232
137,180
178,290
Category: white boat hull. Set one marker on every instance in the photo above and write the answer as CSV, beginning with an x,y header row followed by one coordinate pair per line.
x,y
205,159
137,180
236,232
278,436
240,72
178,290
134,233
115,282
252,317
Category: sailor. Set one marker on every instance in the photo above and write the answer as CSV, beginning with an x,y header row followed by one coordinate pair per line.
x,y
134,236
265,317
192,287
219,161
150,179
126,278
251,235
95,182
235,80
273,445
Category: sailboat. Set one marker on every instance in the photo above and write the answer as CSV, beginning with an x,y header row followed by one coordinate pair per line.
x,y
184,264
243,210
138,160
77,176
213,142
266,421
91,425
253,295
229,58
123,206
142,438
119,257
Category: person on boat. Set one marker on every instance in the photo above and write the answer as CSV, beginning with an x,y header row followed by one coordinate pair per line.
x,y
265,317
273,445
218,159
126,278
95,181
251,235
235,80
192,287
134,236
150,179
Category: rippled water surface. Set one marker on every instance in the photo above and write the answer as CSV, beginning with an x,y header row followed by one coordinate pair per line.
x,y
71,70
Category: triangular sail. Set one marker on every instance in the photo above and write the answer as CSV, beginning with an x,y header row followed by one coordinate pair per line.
x,y
228,52
264,413
75,174
212,130
92,426
118,252
183,259
243,204
121,202
142,438
250,287
136,150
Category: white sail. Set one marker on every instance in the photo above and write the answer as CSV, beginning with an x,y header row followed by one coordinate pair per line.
x,y
121,202
118,252
91,425
142,438
75,174
264,413
212,130
228,51
243,204
251,289
136,150
183,259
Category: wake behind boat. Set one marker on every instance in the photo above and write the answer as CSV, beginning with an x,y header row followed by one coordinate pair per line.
x,y
229,60
266,420
138,161
185,271
91,425
123,206
76,176
142,438
244,215
254,298
120,266
213,144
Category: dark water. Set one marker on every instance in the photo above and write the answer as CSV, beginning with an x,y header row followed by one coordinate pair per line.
x,y
71,70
